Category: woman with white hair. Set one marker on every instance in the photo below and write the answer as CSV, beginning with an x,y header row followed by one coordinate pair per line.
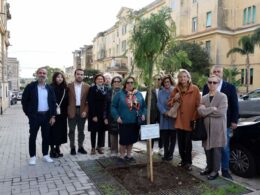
x,y
213,108
188,95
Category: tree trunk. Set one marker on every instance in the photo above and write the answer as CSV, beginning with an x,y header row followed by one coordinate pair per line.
x,y
248,73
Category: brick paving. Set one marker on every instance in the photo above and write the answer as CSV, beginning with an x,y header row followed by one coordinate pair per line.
x,y
64,176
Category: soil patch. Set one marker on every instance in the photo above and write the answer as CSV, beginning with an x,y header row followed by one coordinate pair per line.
x,y
113,178
166,178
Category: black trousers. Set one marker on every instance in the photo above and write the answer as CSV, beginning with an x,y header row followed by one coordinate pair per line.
x,y
169,140
101,138
35,122
213,157
185,146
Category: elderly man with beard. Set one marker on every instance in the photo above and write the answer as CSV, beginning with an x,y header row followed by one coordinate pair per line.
x,y
38,103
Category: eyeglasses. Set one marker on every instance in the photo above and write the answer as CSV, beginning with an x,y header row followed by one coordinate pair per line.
x,y
158,79
116,81
212,82
129,82
42,73
216,71
166,82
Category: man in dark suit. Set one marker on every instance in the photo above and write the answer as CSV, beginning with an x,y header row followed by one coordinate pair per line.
x,y
232,115
38,103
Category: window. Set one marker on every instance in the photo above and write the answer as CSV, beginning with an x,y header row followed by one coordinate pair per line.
x,y
251,76
173,4
124,29
208,22
249,15
123,45
208,46
194,24
194,1
243,76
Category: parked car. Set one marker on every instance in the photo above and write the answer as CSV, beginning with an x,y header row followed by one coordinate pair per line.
x,y
249,104
19,96
245,148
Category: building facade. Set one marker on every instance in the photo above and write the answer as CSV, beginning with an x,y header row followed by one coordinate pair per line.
x,y
216,25
13,74
4,43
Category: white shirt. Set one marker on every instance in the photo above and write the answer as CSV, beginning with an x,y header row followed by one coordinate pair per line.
x,y
77,88
157,91
220,85
42,98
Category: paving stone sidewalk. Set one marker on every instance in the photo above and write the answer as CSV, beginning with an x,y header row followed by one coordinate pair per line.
x,y
64,176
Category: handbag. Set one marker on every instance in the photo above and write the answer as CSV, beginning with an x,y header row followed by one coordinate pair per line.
x,y
58,111
199,132
174,109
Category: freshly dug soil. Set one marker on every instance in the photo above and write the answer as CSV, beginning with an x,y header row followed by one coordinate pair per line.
x,y
166,178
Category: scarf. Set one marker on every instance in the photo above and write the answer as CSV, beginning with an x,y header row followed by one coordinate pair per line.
x,y
131,101
101,89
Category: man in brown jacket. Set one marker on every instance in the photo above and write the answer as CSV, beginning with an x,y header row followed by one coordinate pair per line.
x,y
77,110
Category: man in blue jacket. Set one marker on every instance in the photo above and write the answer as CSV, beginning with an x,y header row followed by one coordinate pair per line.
x,y
232,115
38,103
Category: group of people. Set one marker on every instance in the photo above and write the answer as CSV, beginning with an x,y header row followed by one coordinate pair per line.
x,y
120,108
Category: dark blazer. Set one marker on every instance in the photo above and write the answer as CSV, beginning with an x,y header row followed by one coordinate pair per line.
x,y
155,114
230,91
30,99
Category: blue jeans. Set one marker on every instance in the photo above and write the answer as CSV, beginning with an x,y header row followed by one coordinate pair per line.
x,y
225,153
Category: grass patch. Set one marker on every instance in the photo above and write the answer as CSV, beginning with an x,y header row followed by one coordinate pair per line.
x,y
226,190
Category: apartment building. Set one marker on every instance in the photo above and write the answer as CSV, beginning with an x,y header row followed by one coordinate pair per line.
x,y
218,25
13,74
215,24
4,43
111,48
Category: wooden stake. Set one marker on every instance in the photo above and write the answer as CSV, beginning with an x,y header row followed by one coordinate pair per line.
x,y
150,160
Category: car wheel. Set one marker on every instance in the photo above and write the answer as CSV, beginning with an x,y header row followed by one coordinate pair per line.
x,y
242,162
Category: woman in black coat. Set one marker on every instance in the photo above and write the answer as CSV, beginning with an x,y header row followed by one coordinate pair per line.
x,y
97,117
58,133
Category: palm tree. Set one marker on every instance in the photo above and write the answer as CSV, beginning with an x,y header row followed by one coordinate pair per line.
x,y
246,48
256,37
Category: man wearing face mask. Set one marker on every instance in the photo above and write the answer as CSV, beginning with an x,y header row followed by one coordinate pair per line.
x,y
38,103
77,110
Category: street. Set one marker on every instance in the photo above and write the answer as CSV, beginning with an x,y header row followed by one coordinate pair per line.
x,y
64,176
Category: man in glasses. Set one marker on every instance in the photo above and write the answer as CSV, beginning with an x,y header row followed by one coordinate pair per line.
x,y
232,115
38,103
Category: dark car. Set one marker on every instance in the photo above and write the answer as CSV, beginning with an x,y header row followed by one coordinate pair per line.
x,y
245,148
249,104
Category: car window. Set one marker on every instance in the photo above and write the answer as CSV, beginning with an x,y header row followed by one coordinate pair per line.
x,y
254,94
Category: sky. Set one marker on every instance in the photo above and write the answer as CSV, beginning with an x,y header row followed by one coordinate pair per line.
x,y
46,32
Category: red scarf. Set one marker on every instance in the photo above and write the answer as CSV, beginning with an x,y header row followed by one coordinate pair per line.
x,y
131,101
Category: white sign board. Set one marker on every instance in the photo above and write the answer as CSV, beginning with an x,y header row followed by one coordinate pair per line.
x,y
150,131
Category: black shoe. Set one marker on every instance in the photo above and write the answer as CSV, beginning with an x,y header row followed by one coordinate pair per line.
x,y
58,152
72,151
53,154
181,164
188,167
130,159
164,158
121,161
212,177
82,150
226,175
205,172
169,158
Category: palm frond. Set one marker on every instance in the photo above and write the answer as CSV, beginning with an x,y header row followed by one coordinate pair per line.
x,y
236,50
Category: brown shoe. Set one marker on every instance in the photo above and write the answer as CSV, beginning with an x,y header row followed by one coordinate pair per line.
x,y
100,151
93,151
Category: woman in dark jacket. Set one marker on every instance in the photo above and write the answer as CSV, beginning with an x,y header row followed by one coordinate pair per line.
x,y
112,124
97,116
58,133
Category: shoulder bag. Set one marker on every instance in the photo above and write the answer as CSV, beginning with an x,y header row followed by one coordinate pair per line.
x,y
199,132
